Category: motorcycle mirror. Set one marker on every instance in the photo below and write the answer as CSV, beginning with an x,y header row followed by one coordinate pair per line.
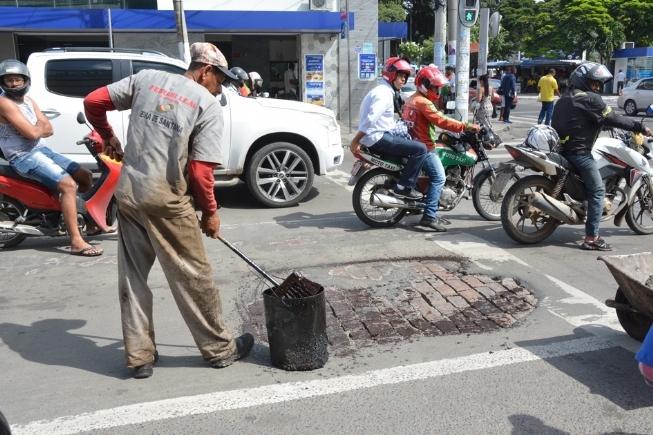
x,y
81,119
451,105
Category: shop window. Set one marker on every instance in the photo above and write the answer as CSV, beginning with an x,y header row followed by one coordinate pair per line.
x,y
77,77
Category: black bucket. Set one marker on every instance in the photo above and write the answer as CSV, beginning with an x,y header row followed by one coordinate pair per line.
x,y
296,331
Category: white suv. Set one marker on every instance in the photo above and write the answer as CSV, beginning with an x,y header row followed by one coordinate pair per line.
x,y
275,146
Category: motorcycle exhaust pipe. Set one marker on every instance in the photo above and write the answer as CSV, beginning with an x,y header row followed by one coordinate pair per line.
x,y
553,208
387,201
13,228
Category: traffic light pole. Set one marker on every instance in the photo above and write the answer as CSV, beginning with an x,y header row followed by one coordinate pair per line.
x,y
440,35
484,41
467,14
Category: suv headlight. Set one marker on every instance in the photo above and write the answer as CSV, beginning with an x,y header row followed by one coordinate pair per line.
x,y
327,121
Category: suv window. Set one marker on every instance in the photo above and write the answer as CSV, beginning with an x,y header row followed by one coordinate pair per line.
x,y
77,77
138,66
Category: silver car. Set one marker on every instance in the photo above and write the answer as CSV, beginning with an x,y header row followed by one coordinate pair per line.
x,y
636,97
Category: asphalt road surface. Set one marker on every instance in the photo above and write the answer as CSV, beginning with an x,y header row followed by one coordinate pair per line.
x,y
566,367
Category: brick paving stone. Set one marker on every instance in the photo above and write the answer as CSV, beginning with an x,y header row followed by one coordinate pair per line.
x,y
407,331
447,326
472,314
421,269
389,339
463,324
504,320
496,287
434,297
486,292
445,276
445,308
472,281
471,295
509,283
359,334
422,286
433,267
442,288
484,279
377,329
487,325
520,292
486,308
339,341
530,299
458,285
427,311
458,302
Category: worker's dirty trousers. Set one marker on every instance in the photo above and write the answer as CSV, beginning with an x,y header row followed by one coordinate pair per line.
x,y
177,244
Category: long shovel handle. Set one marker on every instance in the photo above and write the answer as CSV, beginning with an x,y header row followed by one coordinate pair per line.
x,y
250,262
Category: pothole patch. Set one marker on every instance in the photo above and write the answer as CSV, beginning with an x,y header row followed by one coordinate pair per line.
x,y
433,302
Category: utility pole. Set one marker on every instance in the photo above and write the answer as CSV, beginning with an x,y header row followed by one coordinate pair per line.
x,y
484,41
182,33
440,35
452,21
467,15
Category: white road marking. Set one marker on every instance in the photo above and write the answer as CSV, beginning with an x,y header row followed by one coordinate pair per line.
x,y
341,178
237,399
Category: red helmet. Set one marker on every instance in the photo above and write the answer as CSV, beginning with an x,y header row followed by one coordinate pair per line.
x,y
427,77
393,66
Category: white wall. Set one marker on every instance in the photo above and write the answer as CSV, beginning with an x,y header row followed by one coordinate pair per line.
x,y
243,5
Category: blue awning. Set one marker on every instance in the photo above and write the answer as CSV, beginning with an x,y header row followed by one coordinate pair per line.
x,y
393,30
20,18
633,52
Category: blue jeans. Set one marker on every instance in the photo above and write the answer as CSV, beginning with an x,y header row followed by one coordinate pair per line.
x,y
547,110
397,146
45,166
434,169
589,172
506,110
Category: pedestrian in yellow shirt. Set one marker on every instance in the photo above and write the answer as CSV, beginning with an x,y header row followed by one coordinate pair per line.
x,y
548,87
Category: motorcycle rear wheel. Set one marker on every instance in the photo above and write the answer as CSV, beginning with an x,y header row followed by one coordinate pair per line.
x,y
377,180
486,206
517,214
639,216
10,210
635,324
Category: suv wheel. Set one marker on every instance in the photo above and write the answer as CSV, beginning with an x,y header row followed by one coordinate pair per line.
x,y
280,174
630,108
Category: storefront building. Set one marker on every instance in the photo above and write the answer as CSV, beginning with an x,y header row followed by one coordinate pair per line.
x,y
266,37
637,63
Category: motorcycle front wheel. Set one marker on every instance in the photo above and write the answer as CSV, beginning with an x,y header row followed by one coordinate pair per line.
x,y
639,216
377,181
487,203
10,210
522,222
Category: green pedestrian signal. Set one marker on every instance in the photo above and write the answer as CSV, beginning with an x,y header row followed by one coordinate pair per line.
x,y
470,16
468,11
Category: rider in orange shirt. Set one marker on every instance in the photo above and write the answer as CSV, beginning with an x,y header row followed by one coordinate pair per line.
x,y
421,116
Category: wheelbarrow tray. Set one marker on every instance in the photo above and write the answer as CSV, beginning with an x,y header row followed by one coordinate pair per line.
x,y
631,273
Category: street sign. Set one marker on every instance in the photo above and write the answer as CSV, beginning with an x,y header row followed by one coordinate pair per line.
x,y
358,49
343,30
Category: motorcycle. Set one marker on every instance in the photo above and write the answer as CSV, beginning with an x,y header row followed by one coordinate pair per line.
x,y
537,204
375,176
30,209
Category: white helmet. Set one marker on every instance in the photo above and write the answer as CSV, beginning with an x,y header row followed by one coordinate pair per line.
x,y
542,137
256,79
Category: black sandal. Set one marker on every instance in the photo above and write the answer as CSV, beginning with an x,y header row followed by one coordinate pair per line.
x,y
598,245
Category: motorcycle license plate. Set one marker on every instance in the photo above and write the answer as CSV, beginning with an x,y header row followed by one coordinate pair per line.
x,y
356,167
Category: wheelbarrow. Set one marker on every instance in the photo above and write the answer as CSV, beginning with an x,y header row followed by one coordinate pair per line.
x,y
634,298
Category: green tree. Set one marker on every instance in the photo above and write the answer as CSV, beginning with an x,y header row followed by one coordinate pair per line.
x,y
635,16
391,11
589,26
517,20
411,50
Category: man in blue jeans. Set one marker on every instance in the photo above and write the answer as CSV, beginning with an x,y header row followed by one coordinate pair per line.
x,y
509,85
578,118
376,119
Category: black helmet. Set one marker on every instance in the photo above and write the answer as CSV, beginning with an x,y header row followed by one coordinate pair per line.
x,y
240,73
11,67
588,72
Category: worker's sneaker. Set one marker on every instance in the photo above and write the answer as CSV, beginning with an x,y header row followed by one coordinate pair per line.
x,y
146,370
432,224
598,245
407,193
244,344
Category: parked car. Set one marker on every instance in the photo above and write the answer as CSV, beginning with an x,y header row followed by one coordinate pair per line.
x,y
636,97
275,146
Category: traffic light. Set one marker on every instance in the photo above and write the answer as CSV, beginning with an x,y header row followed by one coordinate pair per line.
x,y
468,12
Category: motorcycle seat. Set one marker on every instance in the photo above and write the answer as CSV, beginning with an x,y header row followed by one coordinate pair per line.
x,y
8,171
391,158
557,158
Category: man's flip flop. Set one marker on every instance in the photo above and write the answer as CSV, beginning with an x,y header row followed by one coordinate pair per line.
x,y
83,252
98,232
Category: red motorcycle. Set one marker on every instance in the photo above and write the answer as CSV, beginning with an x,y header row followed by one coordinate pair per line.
x,y
30,209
